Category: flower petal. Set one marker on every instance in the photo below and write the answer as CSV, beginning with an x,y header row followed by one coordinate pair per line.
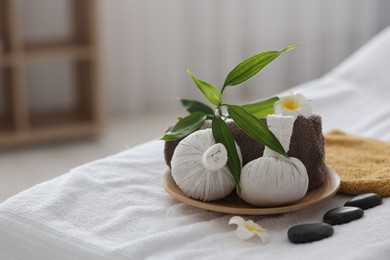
x,y
237,220
305,110
300,98
292,113
265,238
278,107
243,233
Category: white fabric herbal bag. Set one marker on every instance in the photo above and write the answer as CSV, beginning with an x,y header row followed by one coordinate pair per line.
x,y
274,180
199,167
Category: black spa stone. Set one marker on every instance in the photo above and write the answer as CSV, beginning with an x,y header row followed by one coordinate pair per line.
x,y
304,233
342,215
365,201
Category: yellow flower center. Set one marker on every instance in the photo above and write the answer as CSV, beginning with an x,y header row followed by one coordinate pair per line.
x,y
290,104
253,227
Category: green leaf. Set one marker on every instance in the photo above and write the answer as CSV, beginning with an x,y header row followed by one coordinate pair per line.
x,y
196,106
251,66
255,128
222,135
185,126
261,108
289,48
210,92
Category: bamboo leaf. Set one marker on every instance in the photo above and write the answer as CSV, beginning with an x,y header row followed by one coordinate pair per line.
x,y
255,129
222,135
251,66
185,126
261,108
210,92
196,106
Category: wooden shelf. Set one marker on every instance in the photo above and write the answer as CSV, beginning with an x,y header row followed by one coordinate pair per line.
x,y
75,53
65,132
6,124
4,29
56,120
47,54
5,60
20,122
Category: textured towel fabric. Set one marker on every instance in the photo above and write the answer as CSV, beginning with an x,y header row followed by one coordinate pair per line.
x,y
116,208
362,163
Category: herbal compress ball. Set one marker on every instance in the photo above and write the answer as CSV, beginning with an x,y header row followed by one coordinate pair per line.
x,y
274,180
199,167
307,145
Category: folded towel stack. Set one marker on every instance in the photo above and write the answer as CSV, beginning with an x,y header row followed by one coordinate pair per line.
x,y
362,163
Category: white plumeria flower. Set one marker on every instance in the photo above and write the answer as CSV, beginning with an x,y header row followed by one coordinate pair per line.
x,y
247,229
293,105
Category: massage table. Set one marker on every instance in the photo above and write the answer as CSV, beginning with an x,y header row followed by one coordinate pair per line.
x,y
117,208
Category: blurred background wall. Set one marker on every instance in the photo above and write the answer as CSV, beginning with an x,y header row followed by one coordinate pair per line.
x,y
147,45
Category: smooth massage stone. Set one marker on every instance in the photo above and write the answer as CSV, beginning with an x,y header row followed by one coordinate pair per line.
x,y
365,201
304,233
342,215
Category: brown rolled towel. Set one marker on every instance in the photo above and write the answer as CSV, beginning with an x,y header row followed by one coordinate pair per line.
x,y
307,144
363,164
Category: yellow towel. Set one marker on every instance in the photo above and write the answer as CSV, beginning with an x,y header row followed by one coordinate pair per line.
x,y
363,164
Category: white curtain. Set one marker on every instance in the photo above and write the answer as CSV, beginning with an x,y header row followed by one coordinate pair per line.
x,y
148,44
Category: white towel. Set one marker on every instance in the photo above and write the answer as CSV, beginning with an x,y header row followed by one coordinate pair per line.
x,y
116,208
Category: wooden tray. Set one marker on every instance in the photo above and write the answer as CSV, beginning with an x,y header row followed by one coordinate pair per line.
x,y
233,205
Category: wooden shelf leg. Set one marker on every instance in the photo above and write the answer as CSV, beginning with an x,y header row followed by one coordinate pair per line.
x,y
19,100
